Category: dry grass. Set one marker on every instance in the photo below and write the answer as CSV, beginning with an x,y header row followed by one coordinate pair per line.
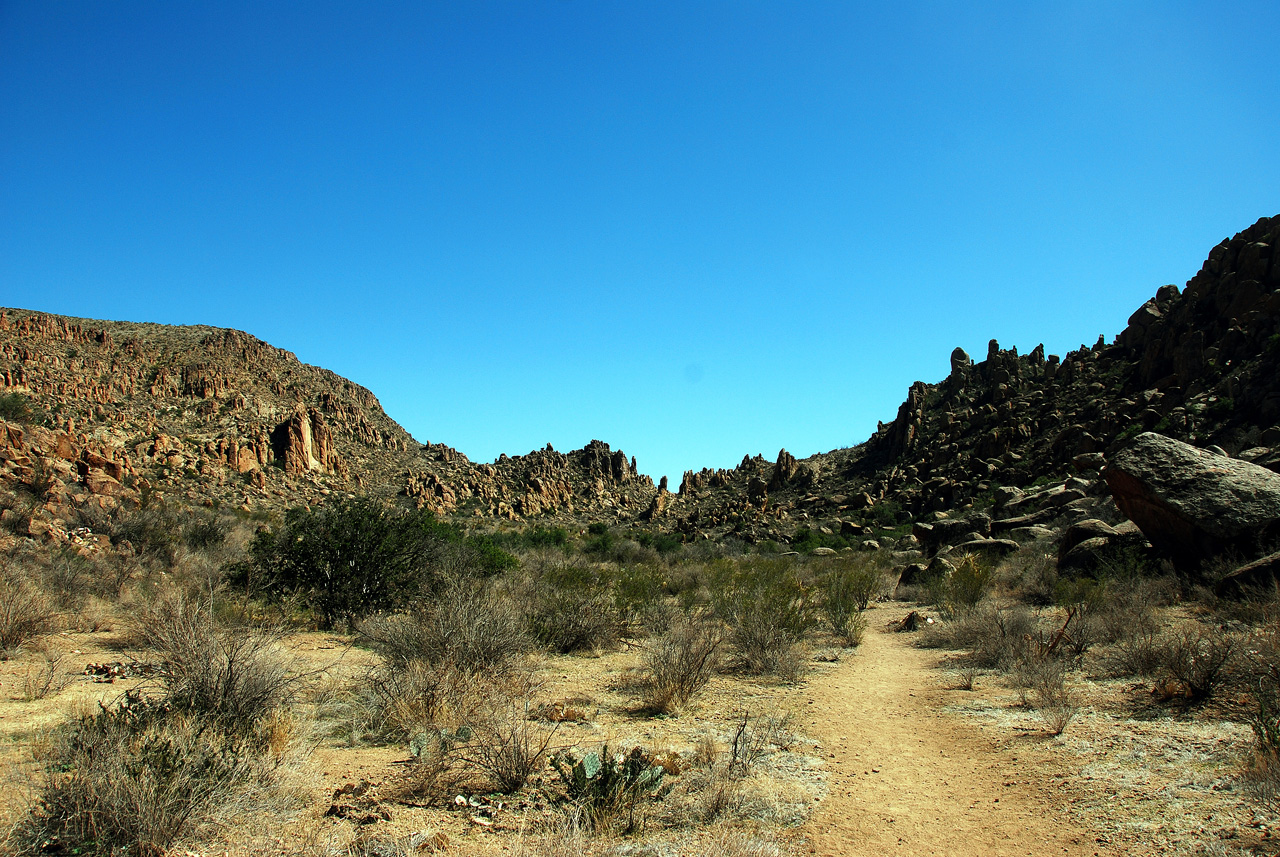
x,y
25,612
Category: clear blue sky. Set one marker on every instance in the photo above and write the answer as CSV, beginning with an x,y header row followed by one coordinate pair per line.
x,y
693,230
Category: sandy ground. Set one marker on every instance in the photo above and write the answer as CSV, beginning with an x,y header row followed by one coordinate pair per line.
x,y
905,777
890,757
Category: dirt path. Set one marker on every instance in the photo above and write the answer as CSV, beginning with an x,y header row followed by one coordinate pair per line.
x,y
907,778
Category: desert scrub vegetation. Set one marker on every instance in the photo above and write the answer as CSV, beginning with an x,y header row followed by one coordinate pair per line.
x,y
25,611
351,558
208,741
679,663
851,584
573,606
768,610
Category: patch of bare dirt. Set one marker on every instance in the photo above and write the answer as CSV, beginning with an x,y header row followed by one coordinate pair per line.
x,y
908,777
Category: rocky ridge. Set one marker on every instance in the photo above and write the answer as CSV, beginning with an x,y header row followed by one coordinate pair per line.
x,y
126,411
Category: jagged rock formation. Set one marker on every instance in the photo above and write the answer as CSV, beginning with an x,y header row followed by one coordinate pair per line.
x,y
215,415
1200,364
129,411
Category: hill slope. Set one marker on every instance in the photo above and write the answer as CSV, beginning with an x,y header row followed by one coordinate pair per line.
x,y
124,412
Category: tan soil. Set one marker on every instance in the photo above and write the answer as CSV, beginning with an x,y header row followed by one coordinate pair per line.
x,y
907,778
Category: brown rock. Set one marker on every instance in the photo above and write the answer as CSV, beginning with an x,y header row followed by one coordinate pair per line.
x,y
1262,576
784,471
101,482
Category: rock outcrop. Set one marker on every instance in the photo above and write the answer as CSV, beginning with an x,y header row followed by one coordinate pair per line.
x,y
1194,504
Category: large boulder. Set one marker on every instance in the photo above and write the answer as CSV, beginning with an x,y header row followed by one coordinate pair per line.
x,y
1193,504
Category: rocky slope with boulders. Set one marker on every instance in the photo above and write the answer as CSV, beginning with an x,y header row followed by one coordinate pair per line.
x,y
115,414
1025,437
1005,450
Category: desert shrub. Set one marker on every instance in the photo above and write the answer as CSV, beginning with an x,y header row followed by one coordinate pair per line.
x,y
39,681
1041,680
996,636
1197,658
639,594
1258,704
767,611
508,744
1140,654
14,408
963,589
153,531
572,608
664,543
470,626
849,589
680,663
754,737
204,530
25,612
138,778
395,701
351,558
234,677
806,539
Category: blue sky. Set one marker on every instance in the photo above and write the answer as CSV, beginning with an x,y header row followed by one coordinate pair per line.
x,y
692,230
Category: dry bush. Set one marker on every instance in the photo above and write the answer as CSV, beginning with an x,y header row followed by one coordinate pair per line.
x,y
140,777
680,663
508,744
572,608
1042,687
960,592
395,700
1139,655
470,626
1257,703
756,736
25,613
439,664
235,676
1261,778
995,636
1197,658
41,680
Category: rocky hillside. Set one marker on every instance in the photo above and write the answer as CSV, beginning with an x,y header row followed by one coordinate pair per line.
x,y
111,413
123,413
1200,364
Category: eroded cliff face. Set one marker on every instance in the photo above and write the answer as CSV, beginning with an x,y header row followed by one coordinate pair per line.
x,y
123,413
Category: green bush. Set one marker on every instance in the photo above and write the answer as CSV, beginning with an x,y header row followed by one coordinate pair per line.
x,y
349,559
572,605
767,610
850,586
961,591
14,408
